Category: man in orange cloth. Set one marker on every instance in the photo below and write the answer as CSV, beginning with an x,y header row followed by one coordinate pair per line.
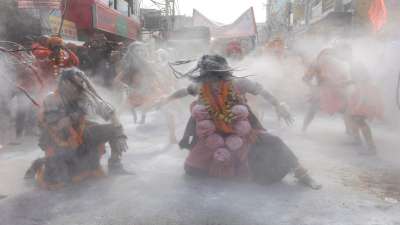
x,y
329,93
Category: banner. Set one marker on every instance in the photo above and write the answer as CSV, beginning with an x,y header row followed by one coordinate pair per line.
x,y
111,21
244,26
199,20
31,4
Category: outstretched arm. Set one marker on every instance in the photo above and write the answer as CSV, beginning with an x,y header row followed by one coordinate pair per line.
x,y
269,97
178,94
280,107
174,96
254,88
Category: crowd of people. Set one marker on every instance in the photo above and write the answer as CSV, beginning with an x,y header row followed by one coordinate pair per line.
x,y
224,137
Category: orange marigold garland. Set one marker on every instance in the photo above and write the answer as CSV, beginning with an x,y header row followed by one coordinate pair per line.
x,y
220,106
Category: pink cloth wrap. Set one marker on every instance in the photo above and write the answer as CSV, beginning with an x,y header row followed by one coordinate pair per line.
x,y
214,141
240,111
234,142
222,155
205,128
242,128
213,152
222,164
200,112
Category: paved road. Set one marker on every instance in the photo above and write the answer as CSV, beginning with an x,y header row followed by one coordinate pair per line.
x,y
357,189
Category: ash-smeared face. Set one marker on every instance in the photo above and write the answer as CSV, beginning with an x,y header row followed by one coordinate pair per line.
x,y
72,84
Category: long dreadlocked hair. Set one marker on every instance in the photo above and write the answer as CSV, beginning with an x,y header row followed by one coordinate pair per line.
x,y
86,87
205,70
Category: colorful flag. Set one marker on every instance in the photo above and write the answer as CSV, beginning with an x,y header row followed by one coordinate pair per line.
x,y
202,21
244,26
377,14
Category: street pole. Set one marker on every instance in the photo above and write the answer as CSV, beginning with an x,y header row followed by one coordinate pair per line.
x,y
307,12
266,11
173,14
268,22
289,9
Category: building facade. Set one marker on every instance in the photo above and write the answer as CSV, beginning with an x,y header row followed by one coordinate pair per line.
x,y
340,17
116,19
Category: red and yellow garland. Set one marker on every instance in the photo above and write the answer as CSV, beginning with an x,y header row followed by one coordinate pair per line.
x,y
220,106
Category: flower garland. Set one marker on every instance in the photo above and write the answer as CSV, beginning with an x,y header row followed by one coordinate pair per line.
x,y
220,106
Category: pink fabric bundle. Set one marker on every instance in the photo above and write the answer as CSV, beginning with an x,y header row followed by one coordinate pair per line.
x,y
222,164
216,153
214,141
222,155
205,128
199,112
242,128
240,111
234,142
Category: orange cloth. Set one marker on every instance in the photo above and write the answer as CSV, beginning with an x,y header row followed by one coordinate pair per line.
x,y
331,77
377,14
366,100
332,100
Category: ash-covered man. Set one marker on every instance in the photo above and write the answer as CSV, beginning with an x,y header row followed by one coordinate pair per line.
x,y
68,137
224,137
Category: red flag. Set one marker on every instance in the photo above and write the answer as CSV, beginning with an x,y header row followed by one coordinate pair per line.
x,y
377,14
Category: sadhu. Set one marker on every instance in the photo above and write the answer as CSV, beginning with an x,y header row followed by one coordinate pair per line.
x,y
224,137
329,95
73,145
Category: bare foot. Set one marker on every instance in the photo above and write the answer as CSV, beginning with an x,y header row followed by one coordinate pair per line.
x,y
307,181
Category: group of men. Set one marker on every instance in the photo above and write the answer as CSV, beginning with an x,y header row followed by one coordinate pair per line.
x,y
72,144
224,137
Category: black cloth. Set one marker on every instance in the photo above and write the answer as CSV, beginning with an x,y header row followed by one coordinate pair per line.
x,y
270,159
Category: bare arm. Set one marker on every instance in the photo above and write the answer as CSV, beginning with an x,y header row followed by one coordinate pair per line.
x,y
184,92
269,97
254,88
178,94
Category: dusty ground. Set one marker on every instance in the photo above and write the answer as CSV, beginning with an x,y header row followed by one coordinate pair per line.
x,y
358,190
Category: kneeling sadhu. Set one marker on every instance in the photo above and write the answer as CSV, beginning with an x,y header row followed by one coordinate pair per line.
x,y
73,145
224,137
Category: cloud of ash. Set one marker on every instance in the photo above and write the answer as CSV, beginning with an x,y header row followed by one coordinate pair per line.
x,y
283,76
